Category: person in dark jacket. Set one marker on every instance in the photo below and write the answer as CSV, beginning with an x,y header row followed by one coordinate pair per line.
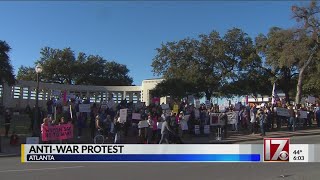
x,y
7,122
118,127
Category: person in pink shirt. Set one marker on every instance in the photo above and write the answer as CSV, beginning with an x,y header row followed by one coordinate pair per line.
x,y
44,128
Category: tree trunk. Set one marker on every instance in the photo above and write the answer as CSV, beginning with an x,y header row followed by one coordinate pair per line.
x,y
300,78
299,87
286,93
208,95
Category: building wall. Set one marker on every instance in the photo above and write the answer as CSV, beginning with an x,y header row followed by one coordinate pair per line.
x,y
147,86
23,93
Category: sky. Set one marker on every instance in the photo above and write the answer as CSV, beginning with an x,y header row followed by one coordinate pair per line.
x,y
128,32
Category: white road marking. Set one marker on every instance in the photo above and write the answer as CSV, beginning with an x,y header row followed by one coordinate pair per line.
x,y
42,169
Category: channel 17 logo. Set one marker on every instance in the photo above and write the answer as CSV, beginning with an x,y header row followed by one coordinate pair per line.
x,y
276,149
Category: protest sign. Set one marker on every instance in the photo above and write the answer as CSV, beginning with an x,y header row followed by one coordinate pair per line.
x,y
165,106
136,116
123,115
222,108
32,140
232,117
198,103
216,120
110,103
143,124
303,114
206,129
57,132
311,99
282,112
84,108
176,108
66,131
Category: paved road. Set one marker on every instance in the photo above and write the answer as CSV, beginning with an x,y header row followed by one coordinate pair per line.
x,y
313,139
10,168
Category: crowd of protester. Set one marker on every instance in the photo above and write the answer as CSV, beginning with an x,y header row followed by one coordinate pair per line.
x,y
252,119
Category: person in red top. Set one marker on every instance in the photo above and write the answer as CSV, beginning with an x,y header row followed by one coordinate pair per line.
x,y
14,139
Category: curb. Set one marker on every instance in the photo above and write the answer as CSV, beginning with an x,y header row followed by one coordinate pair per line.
x,y
260,138
9,155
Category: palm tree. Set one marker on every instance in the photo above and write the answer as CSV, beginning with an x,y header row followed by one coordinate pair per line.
x,y
6,70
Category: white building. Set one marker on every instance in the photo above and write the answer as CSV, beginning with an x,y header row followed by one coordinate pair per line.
x,y
23,93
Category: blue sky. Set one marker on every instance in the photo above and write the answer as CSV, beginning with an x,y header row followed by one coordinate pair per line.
x,y
128,32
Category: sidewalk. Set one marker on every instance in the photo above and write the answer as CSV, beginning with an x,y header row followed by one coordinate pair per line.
x,y
238,137
234,137
9,150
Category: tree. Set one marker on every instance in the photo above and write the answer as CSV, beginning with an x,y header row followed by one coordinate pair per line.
x,y
175,88
309,17
256,81
26,74
95,70
208,62
6,69
249,75
61,66
58,65
284,51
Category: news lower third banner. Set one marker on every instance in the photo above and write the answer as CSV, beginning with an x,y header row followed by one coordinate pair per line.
x,y
168,153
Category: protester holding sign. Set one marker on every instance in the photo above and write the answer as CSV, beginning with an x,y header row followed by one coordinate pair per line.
x,y
44,129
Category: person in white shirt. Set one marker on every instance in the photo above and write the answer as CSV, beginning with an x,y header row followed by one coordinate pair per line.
x,y
253,119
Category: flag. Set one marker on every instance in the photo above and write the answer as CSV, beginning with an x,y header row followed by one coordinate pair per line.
x,y
247,100
275,96
64,97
